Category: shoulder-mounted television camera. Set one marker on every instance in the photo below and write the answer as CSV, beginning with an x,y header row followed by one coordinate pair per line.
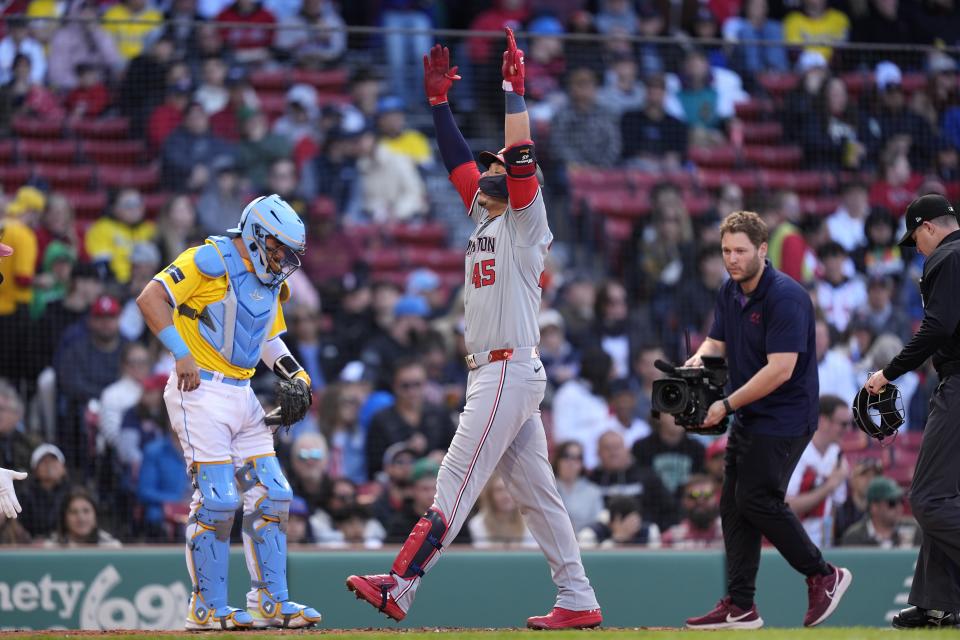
x,y
689,391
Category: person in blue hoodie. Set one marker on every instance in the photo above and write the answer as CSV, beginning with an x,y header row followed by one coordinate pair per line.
x,y
162,480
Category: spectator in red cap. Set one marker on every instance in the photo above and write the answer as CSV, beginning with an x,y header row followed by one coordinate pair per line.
x,y
85,366
714,463
141,424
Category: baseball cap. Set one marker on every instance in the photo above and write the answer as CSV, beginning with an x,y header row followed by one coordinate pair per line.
x,y
396,450
46,449
145,253
546,26
156,382
423,468
26,199
922,209
939,62
550,318
5,250
717,448
881,489
886,74
356,371
421,281
57,251
811,60
105,306
411,306
390,104
323,208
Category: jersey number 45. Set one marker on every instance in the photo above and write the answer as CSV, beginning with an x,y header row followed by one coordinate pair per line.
x,y
483,273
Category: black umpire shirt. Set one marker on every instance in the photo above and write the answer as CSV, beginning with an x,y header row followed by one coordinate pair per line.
x,y
938,333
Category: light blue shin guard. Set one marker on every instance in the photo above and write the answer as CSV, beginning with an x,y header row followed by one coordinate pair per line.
x,y
208,538
265,531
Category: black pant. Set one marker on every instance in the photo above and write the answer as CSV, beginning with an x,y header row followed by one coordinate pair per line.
x,y
935,499
752,506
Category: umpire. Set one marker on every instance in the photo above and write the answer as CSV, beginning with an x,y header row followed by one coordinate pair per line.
x,y
935,498
764,325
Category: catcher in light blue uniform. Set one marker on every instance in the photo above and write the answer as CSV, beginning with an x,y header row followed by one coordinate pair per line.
x,y
226,317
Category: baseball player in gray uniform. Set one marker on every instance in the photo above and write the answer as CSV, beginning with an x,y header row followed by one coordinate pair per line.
x,y
500,428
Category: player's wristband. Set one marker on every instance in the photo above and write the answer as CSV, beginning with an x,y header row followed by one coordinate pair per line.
x,y
514,102
173,341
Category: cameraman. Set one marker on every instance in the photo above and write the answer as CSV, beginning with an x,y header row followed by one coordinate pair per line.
x,y
763,324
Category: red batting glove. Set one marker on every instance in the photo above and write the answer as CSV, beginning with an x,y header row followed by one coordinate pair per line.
x,y
513,70
438,77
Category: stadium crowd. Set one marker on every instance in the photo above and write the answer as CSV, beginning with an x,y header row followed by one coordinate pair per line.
x,y
130,131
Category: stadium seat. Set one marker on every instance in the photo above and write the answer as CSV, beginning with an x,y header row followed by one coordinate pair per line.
x,y
616,230
778,85
853,440
431,234
331,80
619,204
697,204
59,151
65,176
272,103
111,128
909,440
270,79
753,109
12,177
644,180
87,204
30,127
762,132
113,151
121,176
719,157
822,206
437,259
913,82
154,203
774,156
714,179
588,178
809,182
8,150
385,259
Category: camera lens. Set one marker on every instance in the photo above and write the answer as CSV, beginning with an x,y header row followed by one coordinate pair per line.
x,y
669,396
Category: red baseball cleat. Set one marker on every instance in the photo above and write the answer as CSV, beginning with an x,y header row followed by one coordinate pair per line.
x,y
560,618
376,591
824,593
727,615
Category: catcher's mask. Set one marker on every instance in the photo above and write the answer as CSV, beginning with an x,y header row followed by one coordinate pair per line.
x,y
879,415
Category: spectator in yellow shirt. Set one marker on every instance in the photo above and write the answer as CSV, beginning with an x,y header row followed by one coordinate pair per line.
x,y
131,22
392,125
111,238
816,24
16,279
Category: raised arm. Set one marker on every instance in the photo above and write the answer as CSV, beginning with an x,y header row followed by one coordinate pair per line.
x,y
438,77
519,153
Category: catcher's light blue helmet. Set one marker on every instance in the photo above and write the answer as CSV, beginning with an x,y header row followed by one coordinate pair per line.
x,y
271,216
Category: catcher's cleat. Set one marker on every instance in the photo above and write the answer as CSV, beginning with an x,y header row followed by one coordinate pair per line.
x,y
286,615
727,615
376,590
560,618
199,618
917,618
824,593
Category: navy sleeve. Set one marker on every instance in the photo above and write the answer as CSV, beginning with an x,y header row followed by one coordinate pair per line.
x,y
454,150
786,321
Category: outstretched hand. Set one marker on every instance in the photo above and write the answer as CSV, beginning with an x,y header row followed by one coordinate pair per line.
x,y
438,77
513,69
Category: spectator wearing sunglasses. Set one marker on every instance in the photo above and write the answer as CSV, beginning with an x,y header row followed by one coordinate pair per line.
x,y
884,524
819,481
308,469
700,526
855,507
582,498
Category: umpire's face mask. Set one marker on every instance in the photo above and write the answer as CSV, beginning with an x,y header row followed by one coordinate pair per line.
x,y
494,186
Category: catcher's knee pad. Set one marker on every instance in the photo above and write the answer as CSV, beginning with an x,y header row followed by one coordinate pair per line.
x,y
265,527
208,531
421,545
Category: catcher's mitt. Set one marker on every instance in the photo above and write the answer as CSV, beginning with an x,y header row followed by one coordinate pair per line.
x,y
293,401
